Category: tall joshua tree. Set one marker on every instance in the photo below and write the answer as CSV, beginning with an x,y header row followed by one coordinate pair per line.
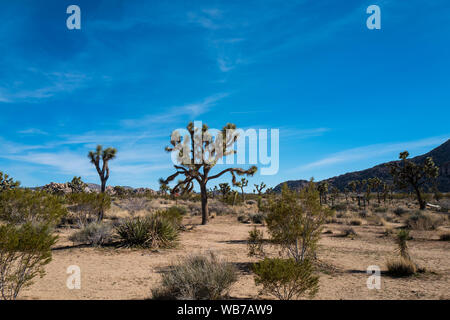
x,y
198,153
100,158
409,174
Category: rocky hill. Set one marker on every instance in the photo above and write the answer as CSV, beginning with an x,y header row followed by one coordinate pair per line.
x,y
440,155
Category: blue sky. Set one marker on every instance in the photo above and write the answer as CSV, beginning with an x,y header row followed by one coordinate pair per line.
x,y
344,97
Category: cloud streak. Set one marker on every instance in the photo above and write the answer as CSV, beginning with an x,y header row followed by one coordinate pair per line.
x,y
370,151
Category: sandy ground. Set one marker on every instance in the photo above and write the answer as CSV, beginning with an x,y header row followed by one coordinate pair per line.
x,y
111,273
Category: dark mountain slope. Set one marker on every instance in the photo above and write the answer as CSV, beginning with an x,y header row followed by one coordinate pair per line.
x,y
440,155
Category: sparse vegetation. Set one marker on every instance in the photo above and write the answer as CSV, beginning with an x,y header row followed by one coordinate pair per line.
x,y
197,278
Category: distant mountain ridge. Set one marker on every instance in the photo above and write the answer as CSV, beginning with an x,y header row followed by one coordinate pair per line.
x,y
440,155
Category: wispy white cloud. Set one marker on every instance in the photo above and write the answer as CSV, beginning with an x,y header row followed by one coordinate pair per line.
x,y
174,113
33,131
371,151
35,85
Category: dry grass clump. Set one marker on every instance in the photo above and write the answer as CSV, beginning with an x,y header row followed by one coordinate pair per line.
x,y
401,267
399,211
197,278
423,221
95,234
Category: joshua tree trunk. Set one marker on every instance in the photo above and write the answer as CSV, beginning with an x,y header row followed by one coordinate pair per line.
x,y
422,203
204,197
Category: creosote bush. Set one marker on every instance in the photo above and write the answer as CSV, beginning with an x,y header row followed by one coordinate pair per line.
x,y
445,237
285,278
197,278
152,231
95,233
87,206
255,243
24,205
24,251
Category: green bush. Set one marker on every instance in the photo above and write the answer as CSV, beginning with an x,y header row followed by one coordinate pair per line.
x,y
295,222
87,206
153,231
174,214
95,233
24,251
24,205
285,278
197,278
255,243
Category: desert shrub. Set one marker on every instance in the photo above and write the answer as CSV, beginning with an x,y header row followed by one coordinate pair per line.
x,y
220,209
422,221
244,218
24,251
349,232
95,233
197,278
355,222
151,231
174,214
363,214
339,207
399,211
255,243
401,267
133,205
286,279
258,217
87,206
381,210
250,202
24,205
295,223
445,237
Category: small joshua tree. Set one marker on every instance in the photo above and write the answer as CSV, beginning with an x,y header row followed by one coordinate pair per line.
x,y
353,185
198,153
260,188
6,182
100,159
242,184
225,189
409,174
